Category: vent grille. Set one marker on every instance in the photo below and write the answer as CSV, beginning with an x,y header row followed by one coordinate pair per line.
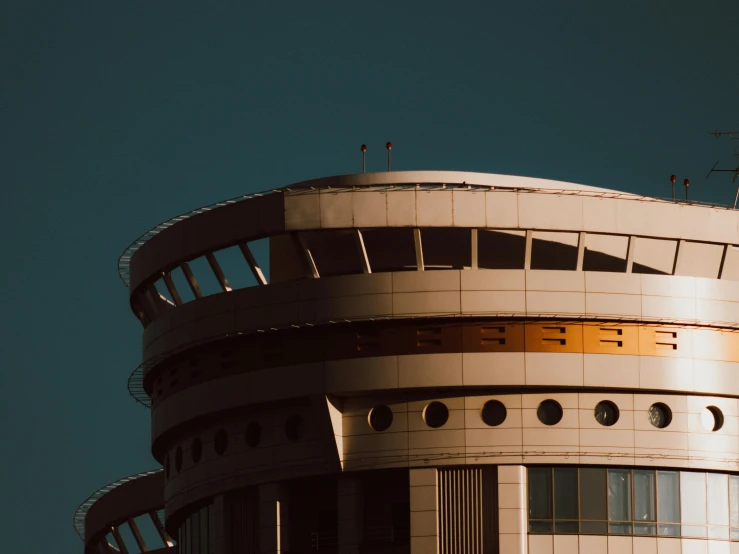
x,y
461,511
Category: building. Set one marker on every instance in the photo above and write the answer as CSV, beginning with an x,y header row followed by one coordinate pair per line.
x,y
441,362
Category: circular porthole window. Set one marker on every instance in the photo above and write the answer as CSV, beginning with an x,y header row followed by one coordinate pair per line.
x,y
220,441
294,427
712,418
549,412
606,413
435,414
196,450
178,459
253,434
493,413
380,418
660,415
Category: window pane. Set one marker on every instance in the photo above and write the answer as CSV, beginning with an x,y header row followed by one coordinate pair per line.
x,y
565,493
718,499
668,493
619,528
694,531
211,535
195,533
540,526
645,529
594,527
734,499
593,494
669,530
566,527
540,492
619,494
644,496
692,498
204,520
718,532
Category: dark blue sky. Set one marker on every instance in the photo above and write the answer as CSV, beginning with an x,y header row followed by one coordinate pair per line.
x,y
117,115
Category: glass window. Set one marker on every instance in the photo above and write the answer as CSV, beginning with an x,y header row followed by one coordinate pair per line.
x,y
540,493
619,494
195,532
734,500
645,497
718,498
204,520
593,503
692,498
668,492
565,493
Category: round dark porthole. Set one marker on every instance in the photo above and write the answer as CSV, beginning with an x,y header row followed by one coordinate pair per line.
x,y
712,418
660,415
178,459
606,413
380,418
197,450
493,413
435,414
166,467
253,434
220,441
294,427
549,412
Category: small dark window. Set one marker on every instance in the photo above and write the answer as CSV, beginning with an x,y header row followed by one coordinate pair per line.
x,y
712,418
606,413
253,434
435,414
493,413
178,459
380,418
220,442
197,450
660,415
294,427
549,412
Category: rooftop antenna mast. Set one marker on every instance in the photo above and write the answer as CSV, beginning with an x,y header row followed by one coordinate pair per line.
x,y
732,135
389,147
363,148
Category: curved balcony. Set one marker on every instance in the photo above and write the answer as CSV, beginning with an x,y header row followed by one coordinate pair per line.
x,y
130,507
507,223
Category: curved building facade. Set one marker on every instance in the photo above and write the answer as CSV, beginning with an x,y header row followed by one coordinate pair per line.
x,y
437,362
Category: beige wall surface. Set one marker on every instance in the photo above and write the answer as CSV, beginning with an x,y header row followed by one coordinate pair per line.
x,y
491,293
464,439
583,544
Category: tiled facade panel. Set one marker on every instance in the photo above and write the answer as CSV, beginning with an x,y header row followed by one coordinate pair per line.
x,y
573,544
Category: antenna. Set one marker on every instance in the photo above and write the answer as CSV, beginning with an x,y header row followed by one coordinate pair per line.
x,y
673,179
729,134
734,172
363,148
389,147
712,169
686,182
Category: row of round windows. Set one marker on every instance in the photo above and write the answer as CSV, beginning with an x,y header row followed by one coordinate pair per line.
x,y
294,429
549,412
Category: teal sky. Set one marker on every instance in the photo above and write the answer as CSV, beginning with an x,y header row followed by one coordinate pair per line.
x,y
117,115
